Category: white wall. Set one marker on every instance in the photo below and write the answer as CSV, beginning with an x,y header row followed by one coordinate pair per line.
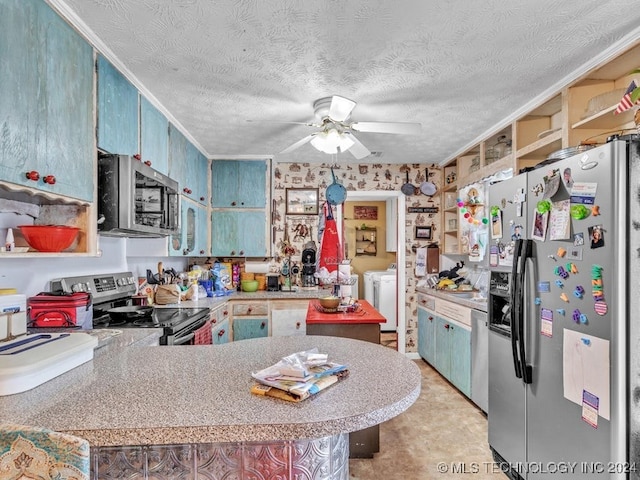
x,y
32,275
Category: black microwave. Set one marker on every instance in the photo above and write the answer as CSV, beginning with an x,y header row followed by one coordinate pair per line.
x,y
134,200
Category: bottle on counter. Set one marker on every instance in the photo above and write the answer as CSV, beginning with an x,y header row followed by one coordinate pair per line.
x,y
9,243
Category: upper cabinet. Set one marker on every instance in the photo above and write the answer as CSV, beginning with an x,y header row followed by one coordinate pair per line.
x,y
46,102
188,166
193,237
154,137
239,183
117,111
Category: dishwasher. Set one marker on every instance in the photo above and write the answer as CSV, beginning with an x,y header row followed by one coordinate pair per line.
x,y
480,359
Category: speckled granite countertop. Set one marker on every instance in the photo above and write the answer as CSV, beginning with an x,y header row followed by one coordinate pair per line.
x,y
467,302
133,394
211,302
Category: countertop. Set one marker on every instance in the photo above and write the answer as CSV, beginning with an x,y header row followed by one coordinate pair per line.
x,y
455,298
365,314
212,302
133,394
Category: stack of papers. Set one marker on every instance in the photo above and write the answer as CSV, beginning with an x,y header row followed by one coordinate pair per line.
x,y
298,376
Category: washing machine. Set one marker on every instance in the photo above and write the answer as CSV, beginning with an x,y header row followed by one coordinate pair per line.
x,y
380,290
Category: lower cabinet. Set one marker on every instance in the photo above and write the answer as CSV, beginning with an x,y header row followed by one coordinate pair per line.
x,y
453,353
288,317
445,343
427,335
220,332
249,320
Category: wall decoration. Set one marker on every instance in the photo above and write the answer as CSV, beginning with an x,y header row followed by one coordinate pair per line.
x,y
361,212
302,201
423,233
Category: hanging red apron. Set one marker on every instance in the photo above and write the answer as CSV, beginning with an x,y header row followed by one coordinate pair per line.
x,y
330,250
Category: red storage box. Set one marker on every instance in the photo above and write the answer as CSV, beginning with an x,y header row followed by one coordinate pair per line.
x,y
48,309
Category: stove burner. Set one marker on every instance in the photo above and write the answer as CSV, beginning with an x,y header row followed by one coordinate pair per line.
x,y
115,323
146,322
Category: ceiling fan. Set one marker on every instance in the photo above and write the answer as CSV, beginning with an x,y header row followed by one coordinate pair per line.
x,y
336,132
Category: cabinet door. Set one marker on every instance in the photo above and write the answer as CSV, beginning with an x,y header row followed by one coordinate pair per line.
x,y
177,155
443,356
238,233
195,174
427,335
289,319
460,346
117,111
220,333
46,101
154,136
192,238
238,184
245,328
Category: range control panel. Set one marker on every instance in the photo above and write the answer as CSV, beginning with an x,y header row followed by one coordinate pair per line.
x,y
102,287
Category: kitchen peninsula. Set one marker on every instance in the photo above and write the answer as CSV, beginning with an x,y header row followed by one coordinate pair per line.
x,y
192,406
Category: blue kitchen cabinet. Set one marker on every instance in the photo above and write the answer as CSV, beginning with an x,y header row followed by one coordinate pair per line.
x,y
118,111
220,333
239,183
238,233
154,136
427,335
247,328
191,241
196,181
46,102
187,166
443,347
460,351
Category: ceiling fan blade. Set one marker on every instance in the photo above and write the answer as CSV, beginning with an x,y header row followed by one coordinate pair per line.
x,y
387,127
299,143
307,124
358,150
340,108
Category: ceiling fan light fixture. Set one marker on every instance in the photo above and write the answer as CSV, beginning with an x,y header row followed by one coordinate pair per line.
x,y
331,141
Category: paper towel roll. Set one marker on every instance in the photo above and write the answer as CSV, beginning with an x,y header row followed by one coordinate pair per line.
x,y
256,267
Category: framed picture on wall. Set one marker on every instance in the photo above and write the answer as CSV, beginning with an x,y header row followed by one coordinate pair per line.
x,y
361,212
302,201
423,233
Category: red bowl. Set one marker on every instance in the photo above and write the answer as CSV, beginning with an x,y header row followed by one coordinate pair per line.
x,y
49,238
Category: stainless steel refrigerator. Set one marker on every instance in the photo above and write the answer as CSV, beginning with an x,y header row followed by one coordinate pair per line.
x,y
564,315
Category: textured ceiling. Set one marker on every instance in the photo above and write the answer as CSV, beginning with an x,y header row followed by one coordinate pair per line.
x,y
229,70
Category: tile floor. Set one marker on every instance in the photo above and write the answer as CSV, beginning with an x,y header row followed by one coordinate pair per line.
x,y
442,432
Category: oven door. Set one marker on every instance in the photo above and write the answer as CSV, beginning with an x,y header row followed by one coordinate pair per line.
x,y
198,333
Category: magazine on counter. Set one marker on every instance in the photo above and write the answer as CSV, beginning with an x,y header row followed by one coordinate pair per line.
x,y
298,376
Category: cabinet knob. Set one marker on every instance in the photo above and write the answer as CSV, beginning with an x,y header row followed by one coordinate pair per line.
x,y
137,156
201,252
242,253
298,324
202,199
447,326
249,310
221,332
214,320
233,253
33,175
225,313
186,190
431,319
233,204
49,179
147,163
263,324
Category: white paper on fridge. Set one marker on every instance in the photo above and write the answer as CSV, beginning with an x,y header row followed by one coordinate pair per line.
x,y
585,367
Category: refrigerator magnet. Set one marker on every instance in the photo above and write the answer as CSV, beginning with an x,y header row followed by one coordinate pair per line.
x,y
590,404
596,234
544,287
546,322
539,229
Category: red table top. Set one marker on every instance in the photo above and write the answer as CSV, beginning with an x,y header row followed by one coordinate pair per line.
x,y
364,314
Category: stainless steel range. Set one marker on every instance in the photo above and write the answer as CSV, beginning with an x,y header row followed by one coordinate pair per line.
x,y
180,326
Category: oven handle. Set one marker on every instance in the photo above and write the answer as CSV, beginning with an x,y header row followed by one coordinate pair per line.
x,y
185,340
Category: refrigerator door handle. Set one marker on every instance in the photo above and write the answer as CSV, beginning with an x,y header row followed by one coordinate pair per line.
x,y
526,254
514,308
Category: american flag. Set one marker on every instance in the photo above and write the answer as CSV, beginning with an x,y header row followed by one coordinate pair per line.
x,y
625,103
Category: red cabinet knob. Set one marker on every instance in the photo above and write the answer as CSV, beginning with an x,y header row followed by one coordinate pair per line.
x,y
263,324
225,313
49,179
446,326
297,325
201,252
249,310
147,163
137,156
186,190
233,204
33,175
431,319
220,333
202,199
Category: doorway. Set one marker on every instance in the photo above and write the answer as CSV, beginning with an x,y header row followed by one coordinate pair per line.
x,y
397,199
